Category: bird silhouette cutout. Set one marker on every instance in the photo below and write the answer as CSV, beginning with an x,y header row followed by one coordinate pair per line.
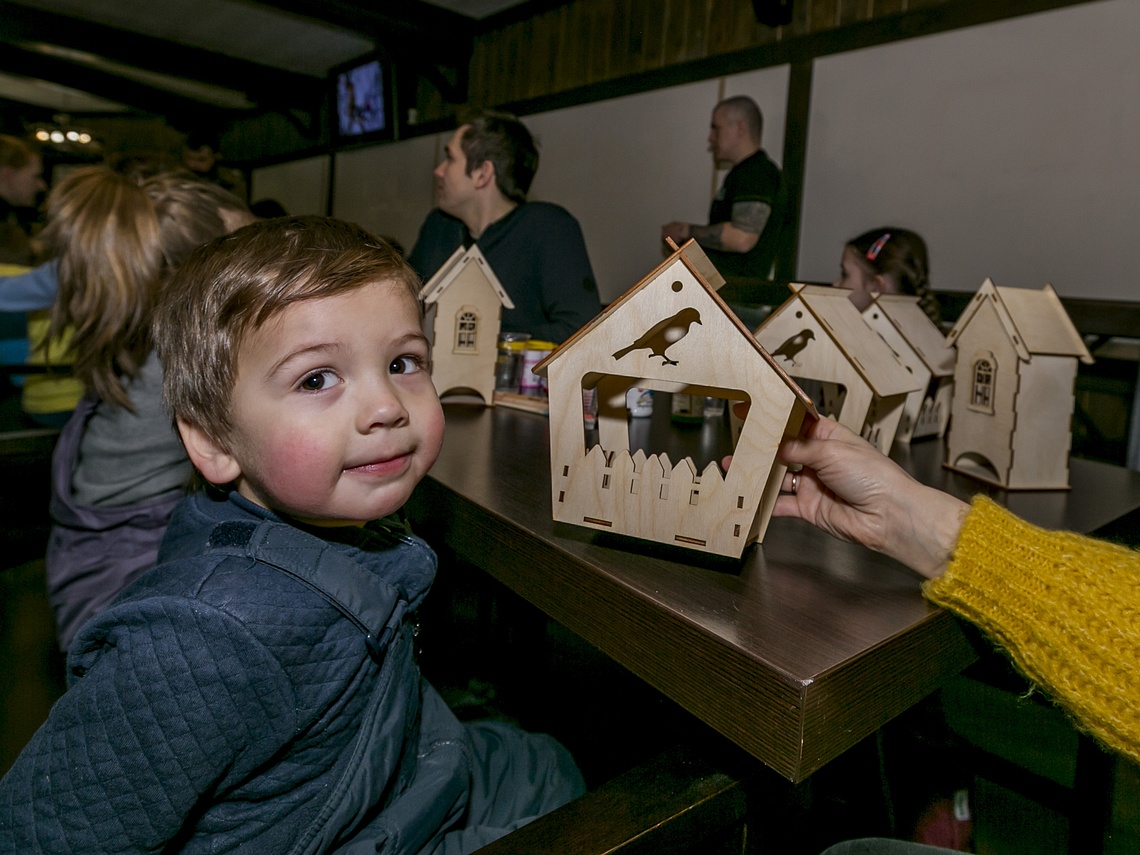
x,y
794,345
663,335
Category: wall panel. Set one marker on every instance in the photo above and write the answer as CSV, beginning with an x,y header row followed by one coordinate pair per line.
x,y
626,166
388,189
302,186
1011,152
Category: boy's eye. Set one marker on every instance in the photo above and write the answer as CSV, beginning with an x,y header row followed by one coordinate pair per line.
x,y
405,365
316,381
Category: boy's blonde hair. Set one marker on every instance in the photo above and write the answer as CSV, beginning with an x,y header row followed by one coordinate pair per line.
x,y
234,285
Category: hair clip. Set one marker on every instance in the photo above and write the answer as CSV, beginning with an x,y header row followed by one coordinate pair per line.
x,y
877,247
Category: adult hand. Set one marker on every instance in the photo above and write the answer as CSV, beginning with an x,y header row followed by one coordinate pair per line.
x,y
850,490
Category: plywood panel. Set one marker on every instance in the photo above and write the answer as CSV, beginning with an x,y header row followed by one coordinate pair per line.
x,y
1011,152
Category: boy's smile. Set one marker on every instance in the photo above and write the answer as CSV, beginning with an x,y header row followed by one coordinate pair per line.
x,y
335,415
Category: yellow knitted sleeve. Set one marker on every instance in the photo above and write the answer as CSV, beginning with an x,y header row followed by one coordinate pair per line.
x,y
1065,607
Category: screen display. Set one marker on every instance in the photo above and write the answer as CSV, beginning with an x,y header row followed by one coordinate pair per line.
x,y
360,100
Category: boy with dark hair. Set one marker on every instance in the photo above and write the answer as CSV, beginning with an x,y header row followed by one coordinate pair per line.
x,y
257,690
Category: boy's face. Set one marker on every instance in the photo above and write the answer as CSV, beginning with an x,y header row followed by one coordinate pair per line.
x,y
335,418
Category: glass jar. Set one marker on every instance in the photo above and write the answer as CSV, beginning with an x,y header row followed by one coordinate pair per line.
x,y
508,362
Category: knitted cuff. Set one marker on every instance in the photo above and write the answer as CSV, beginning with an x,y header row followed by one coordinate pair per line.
x,y
1065,607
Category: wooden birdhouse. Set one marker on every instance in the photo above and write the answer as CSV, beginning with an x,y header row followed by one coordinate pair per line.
x,y
671,333
921,347
1011,421
820,339
463,305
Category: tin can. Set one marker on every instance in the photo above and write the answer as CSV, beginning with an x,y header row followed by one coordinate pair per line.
x,y
535,352
687,408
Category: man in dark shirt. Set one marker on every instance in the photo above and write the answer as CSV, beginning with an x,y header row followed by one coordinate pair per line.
x,y
745,216
536,249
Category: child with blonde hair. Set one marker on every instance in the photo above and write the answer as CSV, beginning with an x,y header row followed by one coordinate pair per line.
x,y
119,468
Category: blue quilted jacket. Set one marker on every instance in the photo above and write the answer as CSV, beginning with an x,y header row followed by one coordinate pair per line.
x,y
223,704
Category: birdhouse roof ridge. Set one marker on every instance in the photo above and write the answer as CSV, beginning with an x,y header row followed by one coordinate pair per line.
x,y
1034,319
679,254
890,376
451,270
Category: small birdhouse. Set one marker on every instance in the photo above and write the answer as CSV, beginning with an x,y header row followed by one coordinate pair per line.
x,y
1014,383
922,349
463,305
671,333
818,336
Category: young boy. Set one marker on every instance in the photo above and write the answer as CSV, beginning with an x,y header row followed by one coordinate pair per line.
x,y
257,690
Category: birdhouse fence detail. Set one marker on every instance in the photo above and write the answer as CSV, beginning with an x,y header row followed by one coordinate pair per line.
x,y
653,498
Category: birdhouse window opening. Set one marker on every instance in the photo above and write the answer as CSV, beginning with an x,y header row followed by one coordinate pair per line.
x,y
466,331
982,390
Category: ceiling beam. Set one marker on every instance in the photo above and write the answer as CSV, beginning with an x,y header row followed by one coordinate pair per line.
x,y
390,23
262,85
140,96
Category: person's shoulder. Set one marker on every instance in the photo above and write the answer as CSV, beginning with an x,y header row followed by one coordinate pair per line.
x,y
547,218
546,212
761,162
438,221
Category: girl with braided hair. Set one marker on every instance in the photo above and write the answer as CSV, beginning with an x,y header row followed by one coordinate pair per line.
x,y
887,260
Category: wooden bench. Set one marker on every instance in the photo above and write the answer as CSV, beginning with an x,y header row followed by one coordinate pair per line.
x,y
679,802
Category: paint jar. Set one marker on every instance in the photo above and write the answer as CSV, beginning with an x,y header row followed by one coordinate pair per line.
x,y
714,408
687,408
536,351
639,401
508,362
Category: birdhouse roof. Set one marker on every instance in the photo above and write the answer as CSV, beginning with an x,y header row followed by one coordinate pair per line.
x,y
703,270
456,265
917,329
1035,321
864,348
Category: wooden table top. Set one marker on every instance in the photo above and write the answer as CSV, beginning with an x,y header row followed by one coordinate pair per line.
x,y
795,652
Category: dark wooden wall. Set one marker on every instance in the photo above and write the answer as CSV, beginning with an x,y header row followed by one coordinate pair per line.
x,y
584,50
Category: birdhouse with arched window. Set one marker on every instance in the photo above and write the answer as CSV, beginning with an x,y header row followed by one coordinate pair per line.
x,y
671,334
1014,388
463,305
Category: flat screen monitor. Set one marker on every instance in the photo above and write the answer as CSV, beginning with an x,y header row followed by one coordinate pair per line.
x,y
363,97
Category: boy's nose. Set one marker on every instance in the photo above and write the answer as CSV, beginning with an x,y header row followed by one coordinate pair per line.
x,y
382,408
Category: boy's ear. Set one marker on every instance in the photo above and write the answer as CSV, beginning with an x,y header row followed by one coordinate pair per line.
x,y
215,463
